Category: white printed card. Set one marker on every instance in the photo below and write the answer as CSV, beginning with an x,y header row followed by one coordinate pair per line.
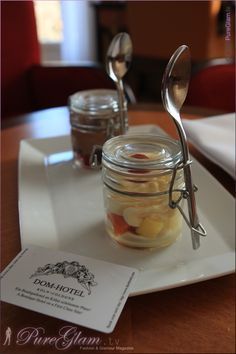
x,y
78,289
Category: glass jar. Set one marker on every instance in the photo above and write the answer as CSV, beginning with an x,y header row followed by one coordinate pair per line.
x,y
94,118
137,176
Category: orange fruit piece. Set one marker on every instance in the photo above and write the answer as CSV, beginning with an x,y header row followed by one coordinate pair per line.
x,y
119,224
139,156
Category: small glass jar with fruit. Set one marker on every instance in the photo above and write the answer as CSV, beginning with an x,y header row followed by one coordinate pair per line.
x,y
143,179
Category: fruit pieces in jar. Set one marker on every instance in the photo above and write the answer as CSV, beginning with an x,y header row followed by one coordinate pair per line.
x,y
150,220
142,217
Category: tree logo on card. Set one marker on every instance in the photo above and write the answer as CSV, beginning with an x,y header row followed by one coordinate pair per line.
x,y
69,270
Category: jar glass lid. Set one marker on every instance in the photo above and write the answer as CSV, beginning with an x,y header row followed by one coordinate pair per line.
x,y
144,151
94,102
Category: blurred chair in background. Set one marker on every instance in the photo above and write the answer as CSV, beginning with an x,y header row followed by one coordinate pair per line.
x,y
213,86
26,85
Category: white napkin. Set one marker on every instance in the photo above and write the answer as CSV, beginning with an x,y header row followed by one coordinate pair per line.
x,y
215,138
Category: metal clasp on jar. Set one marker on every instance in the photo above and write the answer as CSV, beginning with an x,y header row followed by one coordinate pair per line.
x,y
183,194
95,159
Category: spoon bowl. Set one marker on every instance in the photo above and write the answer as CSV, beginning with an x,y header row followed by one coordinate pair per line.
x,y
118,59
119,56
176,79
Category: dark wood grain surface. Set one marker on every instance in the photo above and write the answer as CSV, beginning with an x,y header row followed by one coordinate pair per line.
x,y
198,318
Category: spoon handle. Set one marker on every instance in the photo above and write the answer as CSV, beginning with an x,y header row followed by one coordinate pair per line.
x,y
192,209
122,106
196,228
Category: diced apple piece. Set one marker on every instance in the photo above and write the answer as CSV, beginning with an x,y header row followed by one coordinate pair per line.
x,y
135,215
132,216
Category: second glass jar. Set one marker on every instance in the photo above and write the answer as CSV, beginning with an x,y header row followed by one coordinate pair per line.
x,y
94,118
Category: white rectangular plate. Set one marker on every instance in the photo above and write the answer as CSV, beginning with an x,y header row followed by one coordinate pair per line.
x,y
62,208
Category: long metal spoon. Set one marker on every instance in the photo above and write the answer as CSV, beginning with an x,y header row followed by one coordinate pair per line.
x,y
119,55
174,91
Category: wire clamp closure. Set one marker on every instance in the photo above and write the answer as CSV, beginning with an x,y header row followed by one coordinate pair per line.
x,y
184,194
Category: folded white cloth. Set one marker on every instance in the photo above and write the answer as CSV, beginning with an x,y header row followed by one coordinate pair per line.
x,y
215,138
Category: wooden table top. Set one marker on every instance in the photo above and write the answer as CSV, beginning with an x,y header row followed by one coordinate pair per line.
x,y
197,318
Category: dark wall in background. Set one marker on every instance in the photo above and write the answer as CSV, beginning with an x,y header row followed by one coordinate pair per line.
x,y
157,28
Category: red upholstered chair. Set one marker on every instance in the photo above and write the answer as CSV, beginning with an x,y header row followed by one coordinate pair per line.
x,y
213,87
26,85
